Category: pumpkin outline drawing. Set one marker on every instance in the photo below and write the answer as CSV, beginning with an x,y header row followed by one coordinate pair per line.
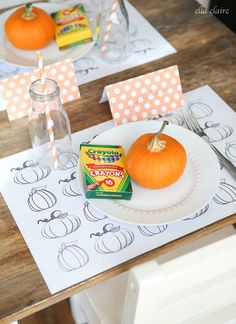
x,y
59,225
226,193
85,65
149,231
44,200
199,213
142,46
72,257
133,30
87,142
31,172
72,162
90,215
112,239
200,109
217,132
173,118
230,151
70,189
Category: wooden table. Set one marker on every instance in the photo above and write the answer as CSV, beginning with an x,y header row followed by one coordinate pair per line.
x,y
206,54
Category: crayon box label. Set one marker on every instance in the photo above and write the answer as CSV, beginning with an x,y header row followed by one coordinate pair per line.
x,y
72,27
104,172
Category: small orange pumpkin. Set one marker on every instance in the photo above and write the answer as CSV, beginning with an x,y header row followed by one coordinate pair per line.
x,y
30,28
156,161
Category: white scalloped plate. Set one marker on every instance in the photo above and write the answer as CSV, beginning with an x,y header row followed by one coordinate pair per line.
x,y
189,194
51,53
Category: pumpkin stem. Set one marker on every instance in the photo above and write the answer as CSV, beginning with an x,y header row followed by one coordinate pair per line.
x,y
28,14
16,169
66,180
156,144
110,228
26,165
95,234
62,215
53,214
73,177
63,246
106,229
45,220
33,190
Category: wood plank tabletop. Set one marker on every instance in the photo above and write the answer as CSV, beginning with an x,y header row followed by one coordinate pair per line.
x,y
206,54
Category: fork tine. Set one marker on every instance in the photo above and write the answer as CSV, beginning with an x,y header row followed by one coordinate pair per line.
x,y
185,115
195,121
193,125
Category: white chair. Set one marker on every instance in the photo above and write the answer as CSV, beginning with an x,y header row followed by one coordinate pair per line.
x,y
198,287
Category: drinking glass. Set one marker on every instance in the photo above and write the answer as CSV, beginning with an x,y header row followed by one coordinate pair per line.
x,y
113,38
38,125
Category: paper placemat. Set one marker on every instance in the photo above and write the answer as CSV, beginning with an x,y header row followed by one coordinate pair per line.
x,y
147,45
69,240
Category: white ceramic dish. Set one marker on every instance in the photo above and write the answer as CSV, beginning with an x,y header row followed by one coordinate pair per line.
x,y
190,193
51,53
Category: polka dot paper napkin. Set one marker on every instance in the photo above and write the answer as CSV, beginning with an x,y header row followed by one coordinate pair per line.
x,y
15,90
145,96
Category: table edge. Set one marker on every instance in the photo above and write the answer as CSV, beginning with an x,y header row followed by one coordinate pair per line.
x,y
125,266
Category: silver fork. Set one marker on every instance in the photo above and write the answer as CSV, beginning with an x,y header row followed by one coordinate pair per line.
x,y
193,125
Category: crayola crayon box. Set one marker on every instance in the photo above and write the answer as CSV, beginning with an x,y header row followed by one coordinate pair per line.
x,y
72,27
104,172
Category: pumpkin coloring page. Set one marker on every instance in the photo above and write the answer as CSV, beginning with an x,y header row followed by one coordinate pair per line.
x,y
226,193
85,65
152,230
112,239
200,109
142,46
71,187
87,142
31,172
59,224
40,198
69,239
72,257
65,156
230,151
217,132
173,118
201,212
91,214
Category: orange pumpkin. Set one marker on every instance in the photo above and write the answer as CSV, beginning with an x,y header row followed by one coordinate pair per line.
x,y
156,161
30,28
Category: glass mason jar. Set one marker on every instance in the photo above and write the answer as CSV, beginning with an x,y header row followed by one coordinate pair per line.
x,y
113,36
38,126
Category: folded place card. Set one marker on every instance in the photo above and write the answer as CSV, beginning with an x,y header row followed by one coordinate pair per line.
x,y
15,90
145,96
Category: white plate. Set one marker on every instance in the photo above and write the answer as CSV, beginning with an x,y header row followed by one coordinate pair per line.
x,y
189,194
51,53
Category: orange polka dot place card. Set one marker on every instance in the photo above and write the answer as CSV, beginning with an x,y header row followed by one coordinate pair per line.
x,y
15,90
146,96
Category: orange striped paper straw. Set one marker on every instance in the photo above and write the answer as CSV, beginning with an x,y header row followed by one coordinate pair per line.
x,y
50,123
109,24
